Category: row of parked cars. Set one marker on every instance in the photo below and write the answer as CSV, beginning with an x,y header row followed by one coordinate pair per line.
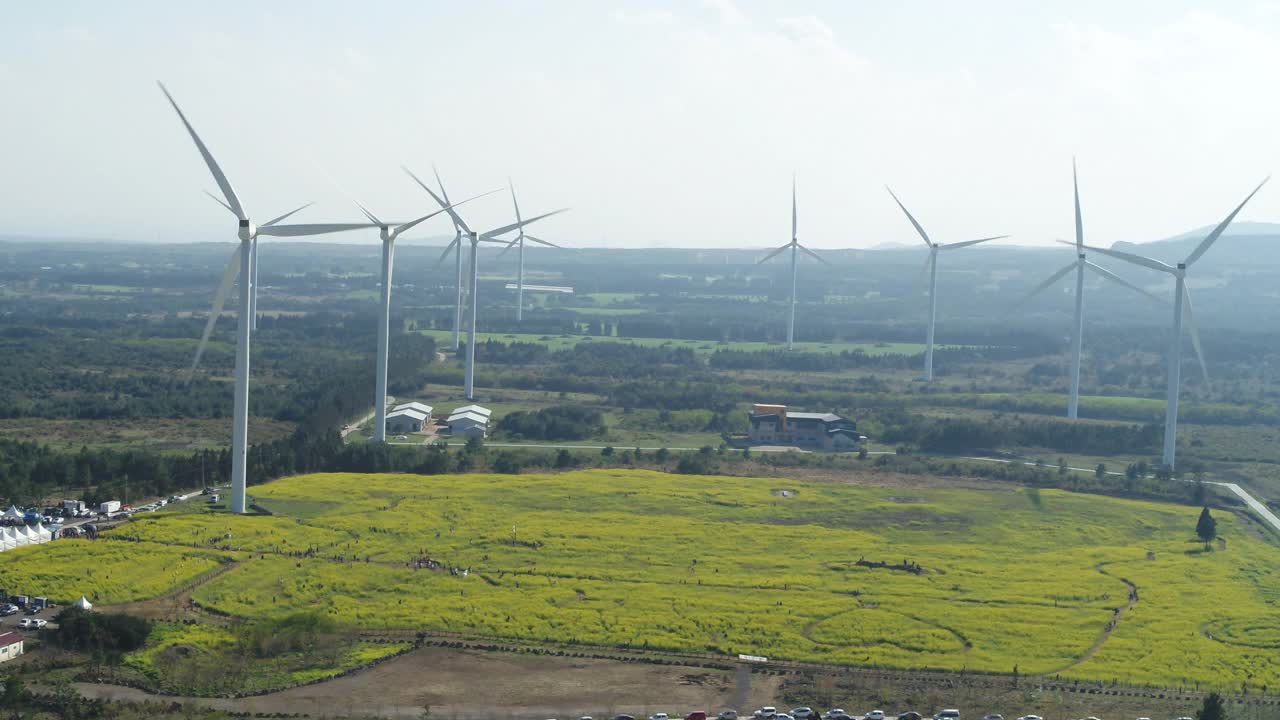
x,y
800,713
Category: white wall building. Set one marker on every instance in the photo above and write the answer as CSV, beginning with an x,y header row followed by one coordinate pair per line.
x,y
469,421
10,646
407,420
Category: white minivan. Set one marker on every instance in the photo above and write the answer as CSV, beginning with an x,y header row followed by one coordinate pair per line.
x,y
947,715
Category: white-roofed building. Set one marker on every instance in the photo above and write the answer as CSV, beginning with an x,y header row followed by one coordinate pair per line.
x,y
484,411
407,420
468,424
420,407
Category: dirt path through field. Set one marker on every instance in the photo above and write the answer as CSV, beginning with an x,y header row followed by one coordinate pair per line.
x,y
477,684
1111,625
172,605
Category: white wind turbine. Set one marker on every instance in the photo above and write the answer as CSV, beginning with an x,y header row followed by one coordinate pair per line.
x,y
794,246
456,247
519,242
476,238
931,266
242,263
388,232
1181,302
1080,264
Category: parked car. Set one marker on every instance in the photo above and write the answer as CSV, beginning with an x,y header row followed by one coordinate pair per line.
x,y
1037,717
32,623
948,714
830,714
912,715
993,716
783,716
767,711
727,715
659,716
805,713
623,717
874,715
8,610
696,715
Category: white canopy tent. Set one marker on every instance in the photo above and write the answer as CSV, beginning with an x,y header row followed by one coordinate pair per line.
x,y
13,513
83,604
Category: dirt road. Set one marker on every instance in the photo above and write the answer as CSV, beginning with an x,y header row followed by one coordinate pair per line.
x,y
476,684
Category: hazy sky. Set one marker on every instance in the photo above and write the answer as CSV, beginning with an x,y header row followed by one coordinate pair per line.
x,y
670,124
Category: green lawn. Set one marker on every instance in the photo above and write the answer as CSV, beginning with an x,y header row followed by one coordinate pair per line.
x,y
562,342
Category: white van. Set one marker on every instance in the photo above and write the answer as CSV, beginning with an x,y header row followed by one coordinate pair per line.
x,y
947,715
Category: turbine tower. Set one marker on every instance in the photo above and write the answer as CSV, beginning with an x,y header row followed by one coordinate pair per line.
x,y
794,246
1181,303
388,232
243,258
931,266
519,242
456,247
475,238
1080,264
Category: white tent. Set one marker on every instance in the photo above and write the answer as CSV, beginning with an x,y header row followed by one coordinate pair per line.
x,y
15,536
30,535
83,603
42,533
13,513
5,542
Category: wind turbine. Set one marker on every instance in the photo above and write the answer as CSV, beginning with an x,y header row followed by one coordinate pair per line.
x,y
388,232
1080,264
243,258
1181,302
519,241
794,246
476,238
456,247
931,266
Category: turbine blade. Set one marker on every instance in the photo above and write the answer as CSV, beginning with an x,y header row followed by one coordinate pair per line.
x,y
514,203
1043,286
515,241
1222,226
1075,186
372,218
793,207
540,241
772,255
1103,272
1135,259
456,240
224,185
219,299
443,192
312,229
967,243
457,220
914,223
273,221
812,254
924,270
514,226
220,202
1195,333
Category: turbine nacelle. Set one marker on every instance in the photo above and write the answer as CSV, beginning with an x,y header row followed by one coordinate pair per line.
x,y
247,230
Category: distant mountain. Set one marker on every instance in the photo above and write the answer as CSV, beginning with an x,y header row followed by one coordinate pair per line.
x,y
1244,243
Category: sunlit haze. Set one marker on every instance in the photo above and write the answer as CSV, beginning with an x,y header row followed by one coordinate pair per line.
x,y
660,124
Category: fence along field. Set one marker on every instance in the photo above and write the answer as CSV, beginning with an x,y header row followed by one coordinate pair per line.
x,y
948,579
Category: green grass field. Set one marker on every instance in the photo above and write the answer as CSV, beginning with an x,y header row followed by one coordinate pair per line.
x,y
564,342
732,565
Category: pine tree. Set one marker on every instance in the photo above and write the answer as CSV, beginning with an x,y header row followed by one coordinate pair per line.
x,y
1206,527
1214,708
